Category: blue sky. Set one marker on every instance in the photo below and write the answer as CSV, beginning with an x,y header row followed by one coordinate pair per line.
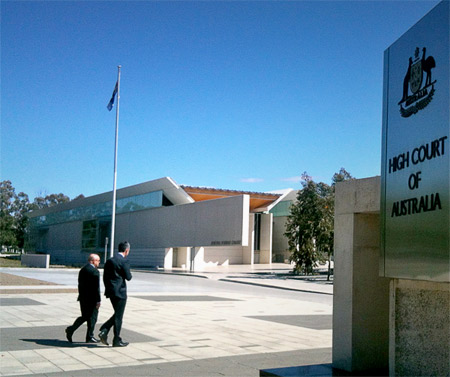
x,y
233,94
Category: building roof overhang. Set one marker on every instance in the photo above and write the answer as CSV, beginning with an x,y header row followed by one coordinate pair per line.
x,y
258,200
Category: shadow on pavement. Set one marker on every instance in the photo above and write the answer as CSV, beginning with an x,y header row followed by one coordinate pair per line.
x,y
59,343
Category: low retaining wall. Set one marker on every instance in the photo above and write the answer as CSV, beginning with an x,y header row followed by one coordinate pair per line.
x,y
35,260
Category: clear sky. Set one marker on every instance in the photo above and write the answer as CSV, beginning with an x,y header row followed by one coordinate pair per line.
x,y
229,94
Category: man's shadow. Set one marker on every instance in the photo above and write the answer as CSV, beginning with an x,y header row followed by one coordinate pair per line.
x,y
59,343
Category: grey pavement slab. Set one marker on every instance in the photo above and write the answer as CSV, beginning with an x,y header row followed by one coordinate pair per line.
x,y
18,301
317,322
299,285
321,370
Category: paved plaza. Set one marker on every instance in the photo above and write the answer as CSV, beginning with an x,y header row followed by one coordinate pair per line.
x,y
174,330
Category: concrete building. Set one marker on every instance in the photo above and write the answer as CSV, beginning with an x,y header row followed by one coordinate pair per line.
x,y
280,212
168,225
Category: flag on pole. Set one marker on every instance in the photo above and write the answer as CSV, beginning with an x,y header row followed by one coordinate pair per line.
x,y
111,101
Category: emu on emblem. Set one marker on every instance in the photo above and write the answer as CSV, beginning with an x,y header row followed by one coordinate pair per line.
x,y
420,97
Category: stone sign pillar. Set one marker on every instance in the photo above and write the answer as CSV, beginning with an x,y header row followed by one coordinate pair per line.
x,y
361,296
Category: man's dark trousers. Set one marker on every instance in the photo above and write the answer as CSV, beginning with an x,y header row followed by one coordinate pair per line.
x,y
115,275
89,298
89,314
116,319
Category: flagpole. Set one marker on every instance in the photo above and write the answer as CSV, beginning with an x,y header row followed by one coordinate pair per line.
x,y
113,220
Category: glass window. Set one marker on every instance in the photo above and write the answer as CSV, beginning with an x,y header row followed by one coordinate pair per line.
x,y
123,205
104,231
89,236
282,209
257,233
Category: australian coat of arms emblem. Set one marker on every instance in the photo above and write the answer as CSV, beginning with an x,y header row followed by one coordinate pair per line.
x,y
417,94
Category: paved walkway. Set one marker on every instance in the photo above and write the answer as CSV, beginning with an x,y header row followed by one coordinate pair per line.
x,y
275,275
170,334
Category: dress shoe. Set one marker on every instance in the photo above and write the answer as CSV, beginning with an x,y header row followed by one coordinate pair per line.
x,y
91,340
120,344
103,335
69,335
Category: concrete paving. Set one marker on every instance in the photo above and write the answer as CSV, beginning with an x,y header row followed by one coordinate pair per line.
x,y
275,275
182,333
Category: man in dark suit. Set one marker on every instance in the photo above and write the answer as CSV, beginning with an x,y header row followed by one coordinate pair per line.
x,y
115,274
89,297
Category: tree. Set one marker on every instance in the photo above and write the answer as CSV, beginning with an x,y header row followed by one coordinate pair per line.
x,y
7,226
340,176
13,213
325,231
21,207
13,220
302,226
310,225
51,200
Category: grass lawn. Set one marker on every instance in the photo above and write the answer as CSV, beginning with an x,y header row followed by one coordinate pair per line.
x,y
10,262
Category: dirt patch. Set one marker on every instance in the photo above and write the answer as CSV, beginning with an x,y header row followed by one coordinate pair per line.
x,y
10,262
9,279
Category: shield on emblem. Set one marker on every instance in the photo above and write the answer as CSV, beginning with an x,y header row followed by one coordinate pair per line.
x,y
415,81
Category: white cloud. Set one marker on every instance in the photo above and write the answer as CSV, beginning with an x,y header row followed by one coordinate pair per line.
x,y
292,179
252,180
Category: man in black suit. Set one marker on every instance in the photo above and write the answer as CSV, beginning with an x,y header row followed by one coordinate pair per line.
x,y
89,297
115,274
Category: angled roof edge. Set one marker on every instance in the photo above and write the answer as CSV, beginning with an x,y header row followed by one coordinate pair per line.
x,y
176,193
170,188
284,195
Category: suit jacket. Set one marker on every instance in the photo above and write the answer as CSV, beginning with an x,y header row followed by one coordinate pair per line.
x,y
116,273
89,285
